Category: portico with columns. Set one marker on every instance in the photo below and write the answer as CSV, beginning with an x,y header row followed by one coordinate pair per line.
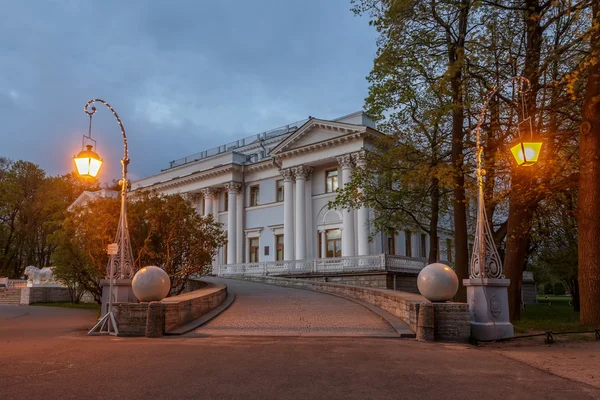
x,y
271,192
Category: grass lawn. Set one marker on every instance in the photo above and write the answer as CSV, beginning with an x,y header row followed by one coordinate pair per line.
x,y
553,313
90,306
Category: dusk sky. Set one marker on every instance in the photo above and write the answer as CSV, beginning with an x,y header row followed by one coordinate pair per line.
x,y
184,76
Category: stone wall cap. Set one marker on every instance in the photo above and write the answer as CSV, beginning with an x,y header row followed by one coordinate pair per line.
x,y
486,282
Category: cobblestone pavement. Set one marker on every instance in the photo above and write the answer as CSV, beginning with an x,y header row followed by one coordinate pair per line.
x,y
267,310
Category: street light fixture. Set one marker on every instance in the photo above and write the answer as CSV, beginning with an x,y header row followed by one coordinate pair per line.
x,y
487,287
526,152
121,261
88,162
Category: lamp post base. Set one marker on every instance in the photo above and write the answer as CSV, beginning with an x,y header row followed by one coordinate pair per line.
x,y
122,293
488,308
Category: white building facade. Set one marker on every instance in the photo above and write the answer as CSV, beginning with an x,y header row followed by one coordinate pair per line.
x,y
271,192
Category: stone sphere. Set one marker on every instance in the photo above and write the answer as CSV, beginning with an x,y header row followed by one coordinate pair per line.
x,y
151,284
437,282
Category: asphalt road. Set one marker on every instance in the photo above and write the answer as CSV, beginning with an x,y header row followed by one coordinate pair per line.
x,y
45,354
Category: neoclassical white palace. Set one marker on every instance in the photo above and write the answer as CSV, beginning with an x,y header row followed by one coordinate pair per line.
x,y
271,191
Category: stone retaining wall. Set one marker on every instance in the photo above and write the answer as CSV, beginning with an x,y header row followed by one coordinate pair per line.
x,y
387,280
43,294
450,320
176,311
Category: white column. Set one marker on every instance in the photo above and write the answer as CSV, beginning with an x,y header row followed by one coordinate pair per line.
x,y
348,216
216,204
323,243
232,190
310,232
362,214
208,200
301,173
239,216
288,214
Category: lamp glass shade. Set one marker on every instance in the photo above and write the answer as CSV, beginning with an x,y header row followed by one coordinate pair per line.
x,y
88,162
526,153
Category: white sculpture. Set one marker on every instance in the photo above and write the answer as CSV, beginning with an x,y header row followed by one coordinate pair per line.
x,y
40,277
151,284
437,282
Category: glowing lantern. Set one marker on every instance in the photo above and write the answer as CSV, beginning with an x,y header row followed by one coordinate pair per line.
x,y
88,162
526,153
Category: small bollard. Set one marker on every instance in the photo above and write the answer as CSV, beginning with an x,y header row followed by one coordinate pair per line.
x,y
154,320
425,323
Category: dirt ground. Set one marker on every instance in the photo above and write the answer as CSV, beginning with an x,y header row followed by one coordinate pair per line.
x,y
575,358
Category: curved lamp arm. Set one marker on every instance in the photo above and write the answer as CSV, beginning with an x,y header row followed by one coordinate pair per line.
x,y
482,266
90,113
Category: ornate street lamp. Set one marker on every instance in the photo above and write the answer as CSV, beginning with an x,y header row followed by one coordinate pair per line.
x,y
487,287
120,264
88,162
526,152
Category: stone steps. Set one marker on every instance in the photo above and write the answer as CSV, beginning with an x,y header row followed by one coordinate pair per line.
x,y
10,296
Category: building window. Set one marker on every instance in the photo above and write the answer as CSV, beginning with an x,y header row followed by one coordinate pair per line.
x,y
423,245
279,196
253,248
278,247
407,244
254,192
225,254
331,181
225,202
449,250
334,242
391,245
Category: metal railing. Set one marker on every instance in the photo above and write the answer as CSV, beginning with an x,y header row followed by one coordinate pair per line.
x,y
334,265
282,130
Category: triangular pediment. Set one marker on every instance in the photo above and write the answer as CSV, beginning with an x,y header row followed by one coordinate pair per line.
x,y
316,131
82,200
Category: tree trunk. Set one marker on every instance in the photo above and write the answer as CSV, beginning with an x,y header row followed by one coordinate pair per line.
x,y
588,213
519,223
520,212
433,223
456,59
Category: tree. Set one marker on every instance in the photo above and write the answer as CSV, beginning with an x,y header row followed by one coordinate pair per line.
x,y
427,38
588,213
554,243
165,231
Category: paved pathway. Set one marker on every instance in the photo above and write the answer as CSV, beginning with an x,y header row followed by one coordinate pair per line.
x,y
267,310
45,354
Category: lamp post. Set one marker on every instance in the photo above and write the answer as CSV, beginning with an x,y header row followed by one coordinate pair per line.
x,y
121,261
487,287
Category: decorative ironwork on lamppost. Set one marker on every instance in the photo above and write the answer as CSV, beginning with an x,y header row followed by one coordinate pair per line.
x,y
120,264
526,153
487,287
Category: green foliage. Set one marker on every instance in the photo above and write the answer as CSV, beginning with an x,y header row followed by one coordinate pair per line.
x,y
559,289
165,231
548,288
32,207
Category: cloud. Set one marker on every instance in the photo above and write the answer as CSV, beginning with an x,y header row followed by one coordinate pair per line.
x,y
183,75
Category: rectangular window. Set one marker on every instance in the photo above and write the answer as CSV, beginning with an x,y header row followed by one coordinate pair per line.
x,y
331,181
334,242
423,245
449,250
226,202
391,245
278,247
253,247
225,254
279,196
254,192
407,244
